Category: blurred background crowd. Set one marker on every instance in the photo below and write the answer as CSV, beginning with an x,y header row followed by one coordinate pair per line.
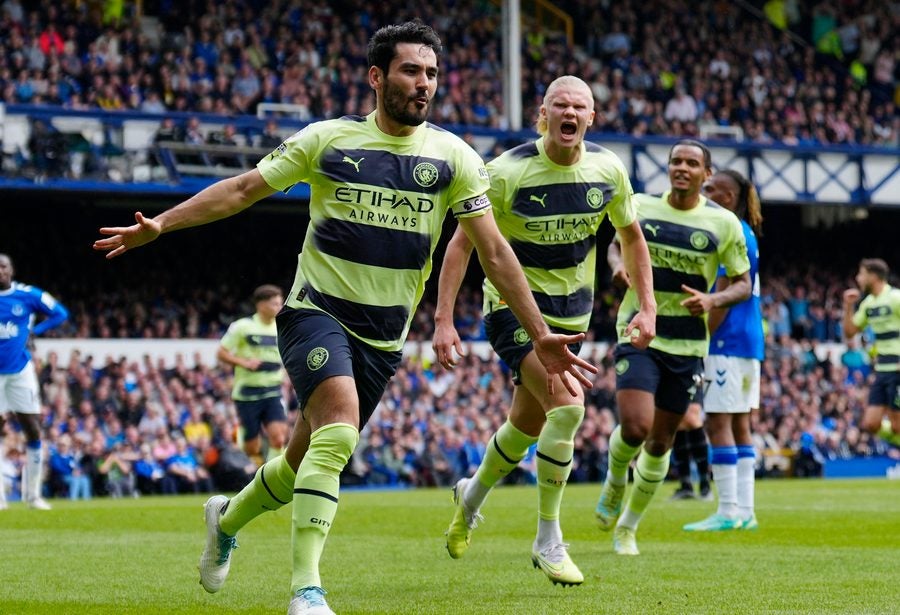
x,y
781,71
785,72
145,426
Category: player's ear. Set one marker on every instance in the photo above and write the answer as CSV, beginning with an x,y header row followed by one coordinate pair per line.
x,y
376,77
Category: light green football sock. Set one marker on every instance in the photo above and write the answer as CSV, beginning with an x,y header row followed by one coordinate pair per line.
x,y
503,453
554,457
270,489
620,455
316,498
649,472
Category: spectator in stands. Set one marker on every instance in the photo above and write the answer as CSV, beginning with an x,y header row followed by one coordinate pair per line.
x,y
184,472
228,137
809,461
270,137
49,151
231,468
116,470
168,131
66,469
193,135
435,467
149,473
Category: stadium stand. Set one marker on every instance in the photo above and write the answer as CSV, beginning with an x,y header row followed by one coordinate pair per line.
x,y
818,73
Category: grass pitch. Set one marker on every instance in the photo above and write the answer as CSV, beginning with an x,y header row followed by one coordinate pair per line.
x,y
822,547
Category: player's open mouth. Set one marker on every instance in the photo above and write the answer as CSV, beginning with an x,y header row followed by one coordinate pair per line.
x,y
568,128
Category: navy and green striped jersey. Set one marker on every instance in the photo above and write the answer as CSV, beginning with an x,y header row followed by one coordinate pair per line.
x,y
686,247
251,338
377,208
550,214
882,314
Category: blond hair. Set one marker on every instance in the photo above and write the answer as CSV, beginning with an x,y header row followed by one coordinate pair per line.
x,y
566,80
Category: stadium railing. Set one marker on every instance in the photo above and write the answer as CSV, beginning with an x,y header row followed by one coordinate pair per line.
x,y
120,146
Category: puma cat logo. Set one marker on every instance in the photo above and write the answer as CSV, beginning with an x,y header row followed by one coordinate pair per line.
x,y
653,229
355,163
538,199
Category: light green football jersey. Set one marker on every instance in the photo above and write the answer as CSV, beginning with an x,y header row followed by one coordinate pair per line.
x,y
377,209
686,247
882,314
251,338
550,214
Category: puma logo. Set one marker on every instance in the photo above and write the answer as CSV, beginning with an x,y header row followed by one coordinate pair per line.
x,y
355,163
653,229
537,199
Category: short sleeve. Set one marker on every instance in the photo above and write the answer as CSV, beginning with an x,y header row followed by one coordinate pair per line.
x,y
733,253
292,162
622,210
500,200
467,195
232,338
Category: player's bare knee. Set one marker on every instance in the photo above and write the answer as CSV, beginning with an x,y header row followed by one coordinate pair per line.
x,y
635,433
870,425
278,437
657,448
252,447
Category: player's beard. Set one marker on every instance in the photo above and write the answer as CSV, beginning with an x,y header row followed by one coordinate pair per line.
x,y
397,106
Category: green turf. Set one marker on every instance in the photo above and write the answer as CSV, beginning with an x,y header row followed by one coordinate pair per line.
x,y
823,547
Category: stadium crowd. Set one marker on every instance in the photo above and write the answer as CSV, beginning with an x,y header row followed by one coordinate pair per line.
x,y
808,72
829,76
124,428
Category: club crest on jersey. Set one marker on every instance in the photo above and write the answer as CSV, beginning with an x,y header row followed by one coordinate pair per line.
x,y
316,358
425,174
699,240
520,337
622,366
594,198
18,309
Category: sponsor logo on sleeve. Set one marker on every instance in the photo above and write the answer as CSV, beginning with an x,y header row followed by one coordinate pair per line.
x,y
477,203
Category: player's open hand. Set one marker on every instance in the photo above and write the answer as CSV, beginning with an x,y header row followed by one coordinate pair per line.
x,y
124,238
642,328
445,341
553,351
699,302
